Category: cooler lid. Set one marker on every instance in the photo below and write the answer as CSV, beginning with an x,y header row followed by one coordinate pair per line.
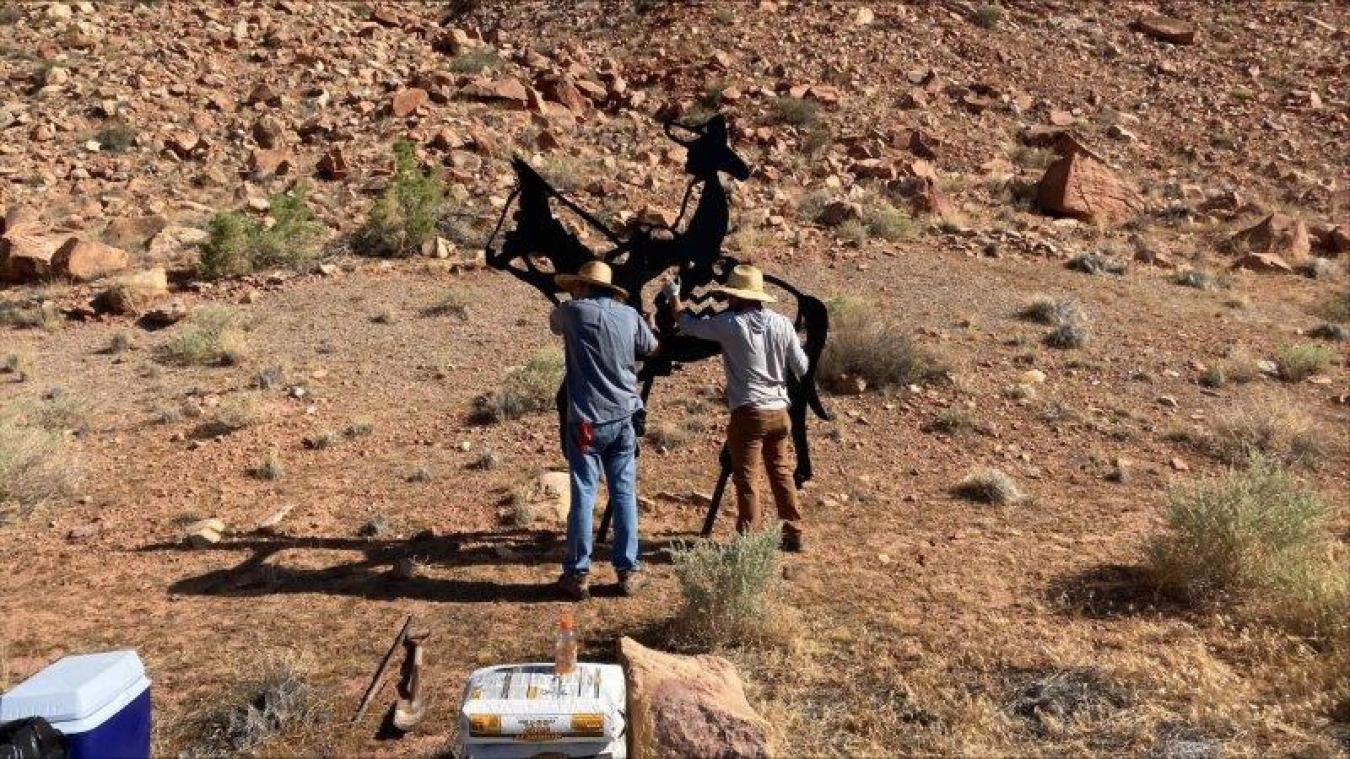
x,y
74,687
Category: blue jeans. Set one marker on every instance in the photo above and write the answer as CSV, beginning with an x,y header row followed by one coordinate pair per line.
x,y
613,448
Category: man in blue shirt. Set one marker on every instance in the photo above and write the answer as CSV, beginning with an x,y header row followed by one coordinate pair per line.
x,y
603,340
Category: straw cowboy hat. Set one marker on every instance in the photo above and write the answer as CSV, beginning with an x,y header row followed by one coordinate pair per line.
x,y
595,274
747,283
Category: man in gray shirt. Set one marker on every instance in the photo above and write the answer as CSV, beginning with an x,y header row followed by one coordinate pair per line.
x,y
603,340
759,349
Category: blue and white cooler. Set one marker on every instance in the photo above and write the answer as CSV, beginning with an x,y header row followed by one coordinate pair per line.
x,y
99,702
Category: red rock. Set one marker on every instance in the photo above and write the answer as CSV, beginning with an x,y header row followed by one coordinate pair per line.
x,y
688,706
25,255
873,168
407,101
1264,263
593,90
263,93
1168,29
825,94
267,163
1332,241
332,166
485,144
560,89
1084,188
1061,118
913,99
837,212
184,143
85,260
507,90
1278,235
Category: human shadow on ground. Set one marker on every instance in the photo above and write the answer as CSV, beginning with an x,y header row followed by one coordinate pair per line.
x,y
1110,590
374,574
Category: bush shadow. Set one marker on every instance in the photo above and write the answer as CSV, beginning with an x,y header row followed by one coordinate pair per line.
x,y
1109,590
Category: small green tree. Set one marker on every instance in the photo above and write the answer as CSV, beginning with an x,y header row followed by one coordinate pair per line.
x,y
407,214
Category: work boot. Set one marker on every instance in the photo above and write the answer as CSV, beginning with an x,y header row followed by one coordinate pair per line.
x,y
792,542
576,587
631,582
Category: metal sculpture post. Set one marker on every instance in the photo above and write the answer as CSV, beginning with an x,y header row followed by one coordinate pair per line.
x,y
539,246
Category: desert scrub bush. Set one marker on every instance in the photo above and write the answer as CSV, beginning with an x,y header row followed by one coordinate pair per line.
x,y
270,467
1238,368
566,172
1336,308
1097,264
116,137
528,389
953,421
1296,363
275,706
212,336
1034,158
10,13
358,428
32,315
853,232
1043,309
728,588
1275,429
455,302
407,214
863,347
56,410
1335,333
1316,267
889,222
1200,280
987,15
233,413
794,111
237,245
988,485
1244,531
810,205
35,467
816,138
475,60
17,363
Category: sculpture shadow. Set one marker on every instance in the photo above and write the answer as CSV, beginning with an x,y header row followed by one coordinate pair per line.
x,y
1110,590
372,575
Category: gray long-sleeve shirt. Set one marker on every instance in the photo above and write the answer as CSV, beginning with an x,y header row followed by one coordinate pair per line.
x,y
759,348
603,338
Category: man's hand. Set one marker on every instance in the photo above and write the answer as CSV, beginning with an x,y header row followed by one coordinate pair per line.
x,y
671,290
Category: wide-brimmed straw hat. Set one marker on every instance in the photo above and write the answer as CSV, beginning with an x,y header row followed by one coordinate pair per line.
x,y
595,274
747,283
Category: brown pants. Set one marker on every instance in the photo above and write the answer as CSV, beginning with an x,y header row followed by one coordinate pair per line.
x,y
753,436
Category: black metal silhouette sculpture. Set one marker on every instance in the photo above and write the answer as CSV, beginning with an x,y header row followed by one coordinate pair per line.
x,y
540,246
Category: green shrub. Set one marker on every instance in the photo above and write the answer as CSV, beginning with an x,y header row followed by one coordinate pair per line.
x,y
1299,362
237,245
794,111
212,336
407,214
10,13
889,223
810,205
116,137
475,60
728,589
1246,531
987,15
863,347
529,389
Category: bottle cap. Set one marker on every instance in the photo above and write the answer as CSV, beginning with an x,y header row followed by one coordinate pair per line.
x,y
566,622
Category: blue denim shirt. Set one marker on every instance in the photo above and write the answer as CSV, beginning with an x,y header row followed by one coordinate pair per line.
x,y
604,339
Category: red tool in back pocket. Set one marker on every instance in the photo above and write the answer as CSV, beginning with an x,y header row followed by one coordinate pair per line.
x,y
585,436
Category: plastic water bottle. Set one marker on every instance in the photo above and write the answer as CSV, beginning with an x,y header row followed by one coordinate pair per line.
x,y
565,650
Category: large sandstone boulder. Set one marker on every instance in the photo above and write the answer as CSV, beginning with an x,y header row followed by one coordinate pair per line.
x,y
689,706
133,294
1081,186
1167,29
85,260
25,250
1278,235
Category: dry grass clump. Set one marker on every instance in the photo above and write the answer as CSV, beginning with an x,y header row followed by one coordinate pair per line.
x,y
234,413
1274,428
57,411
32,315
212,336
863,347
1043,309
728,589
989,485
1072,333
889,222
455,302
1336,308
794,111
35,467
1335,333
1097,264
1236,533
987,15
1238,368
1200,280
270,467
275,708
1064,695
1299,362
529,389
475,60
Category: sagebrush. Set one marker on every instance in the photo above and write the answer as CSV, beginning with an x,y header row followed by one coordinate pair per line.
x,y
529,389
728,588
863,347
